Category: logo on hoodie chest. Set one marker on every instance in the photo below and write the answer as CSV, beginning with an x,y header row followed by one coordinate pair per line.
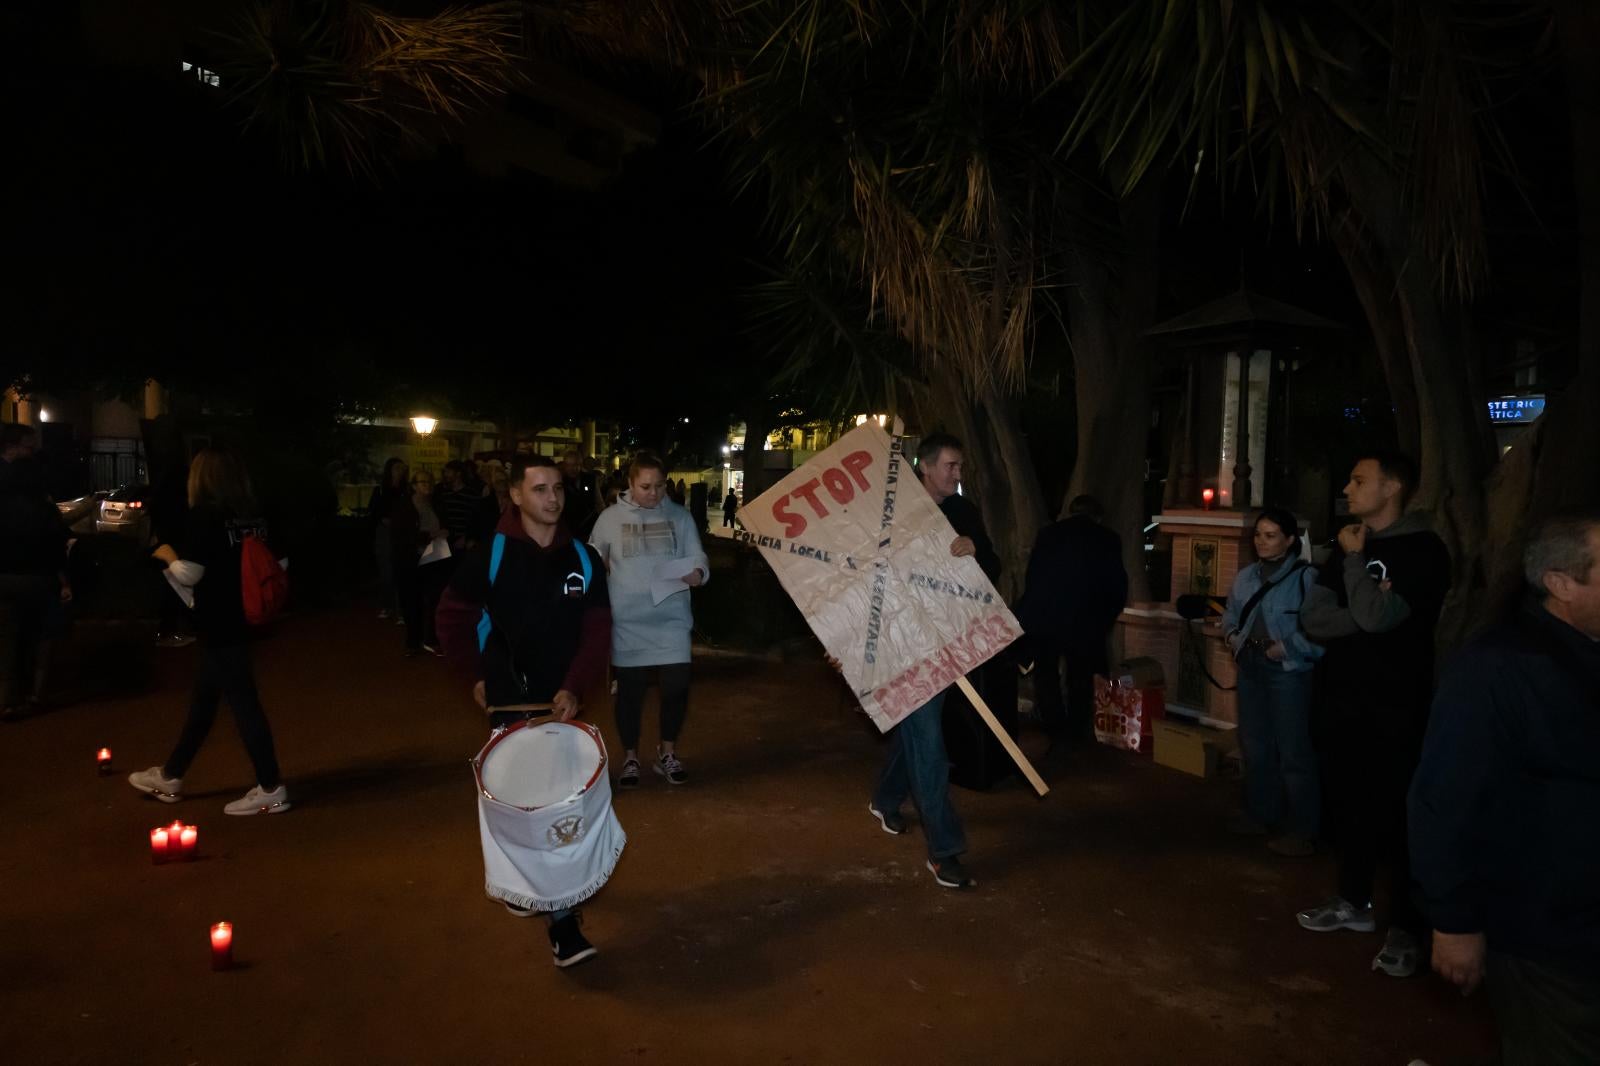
x,y
649,538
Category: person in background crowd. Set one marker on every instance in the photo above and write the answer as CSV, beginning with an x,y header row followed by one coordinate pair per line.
x,y
458,501
395,481
1275,659
730,507
169,511
636,537
583,496
33,580
1505,807
431,575
1374,610
697,506
491,505
405,541
222,512
1076,587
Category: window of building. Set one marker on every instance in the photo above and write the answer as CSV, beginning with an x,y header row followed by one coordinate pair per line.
x,y
202,75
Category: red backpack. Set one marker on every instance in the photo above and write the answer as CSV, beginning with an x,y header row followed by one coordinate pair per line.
x,y
264,586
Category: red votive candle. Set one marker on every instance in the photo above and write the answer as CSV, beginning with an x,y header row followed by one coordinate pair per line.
x,y
174,840
158,845
102,761
189,841
222,946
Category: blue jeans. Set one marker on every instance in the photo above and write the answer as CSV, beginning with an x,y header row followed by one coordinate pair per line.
x,y
917,765
1275,740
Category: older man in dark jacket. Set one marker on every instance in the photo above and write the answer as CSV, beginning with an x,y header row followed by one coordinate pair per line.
x,y
1505,808
1076,588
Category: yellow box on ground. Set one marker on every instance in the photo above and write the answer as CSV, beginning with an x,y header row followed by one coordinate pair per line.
x,y
1192,748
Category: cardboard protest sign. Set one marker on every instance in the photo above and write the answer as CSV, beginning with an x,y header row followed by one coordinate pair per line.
x,y
865,554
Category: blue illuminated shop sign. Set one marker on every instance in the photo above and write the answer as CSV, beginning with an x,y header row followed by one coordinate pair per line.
x,y
1516,408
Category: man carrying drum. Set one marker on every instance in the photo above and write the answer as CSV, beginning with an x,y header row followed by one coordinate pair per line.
x,y
528,613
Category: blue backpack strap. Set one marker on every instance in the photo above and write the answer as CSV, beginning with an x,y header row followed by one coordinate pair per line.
x,y
496,553
583,560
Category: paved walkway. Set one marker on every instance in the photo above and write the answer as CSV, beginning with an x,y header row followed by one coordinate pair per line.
x,y
758,915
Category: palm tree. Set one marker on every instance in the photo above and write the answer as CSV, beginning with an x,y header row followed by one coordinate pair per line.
x,y
343,83
1375,118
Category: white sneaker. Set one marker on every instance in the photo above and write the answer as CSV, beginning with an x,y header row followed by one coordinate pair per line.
x,y
155,783
1337,913
259,801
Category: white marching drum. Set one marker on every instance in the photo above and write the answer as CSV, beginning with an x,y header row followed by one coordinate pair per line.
x,y
550,837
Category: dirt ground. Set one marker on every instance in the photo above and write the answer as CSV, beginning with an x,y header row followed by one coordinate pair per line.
x,y
757,915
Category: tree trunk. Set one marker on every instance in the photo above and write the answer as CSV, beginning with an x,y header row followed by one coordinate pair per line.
x,y
758,425
1109,305
1374,287
1015,529
1453,452
1565,475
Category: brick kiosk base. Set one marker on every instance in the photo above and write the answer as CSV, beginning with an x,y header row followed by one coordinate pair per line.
x,y
1208,547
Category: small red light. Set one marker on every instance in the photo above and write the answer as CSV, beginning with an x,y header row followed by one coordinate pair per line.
x,y
1207,495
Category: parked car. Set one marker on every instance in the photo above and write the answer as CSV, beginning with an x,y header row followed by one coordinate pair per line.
x,y
79,514
126,510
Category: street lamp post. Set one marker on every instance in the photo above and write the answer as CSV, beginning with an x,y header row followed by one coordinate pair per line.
x,y
423,424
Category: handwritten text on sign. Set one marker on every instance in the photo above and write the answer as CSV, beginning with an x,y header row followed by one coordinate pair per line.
x,y
865,554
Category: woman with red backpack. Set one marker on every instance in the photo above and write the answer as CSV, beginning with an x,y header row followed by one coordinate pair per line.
x,y
210,565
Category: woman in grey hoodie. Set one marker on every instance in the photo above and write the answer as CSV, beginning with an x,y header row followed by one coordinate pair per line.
x,y
653,557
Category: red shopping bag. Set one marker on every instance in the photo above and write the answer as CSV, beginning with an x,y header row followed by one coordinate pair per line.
x,y
1124,713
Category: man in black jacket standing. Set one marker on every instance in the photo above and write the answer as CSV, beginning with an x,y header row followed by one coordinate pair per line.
x,y
1375,610
1505,808
1076,588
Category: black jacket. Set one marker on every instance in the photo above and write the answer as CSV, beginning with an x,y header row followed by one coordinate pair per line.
x,y
212,537
1077,585
1505,807
550,631
965,518
33,539
1375,614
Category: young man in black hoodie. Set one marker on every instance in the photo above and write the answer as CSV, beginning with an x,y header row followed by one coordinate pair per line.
x,y
1374,610
1505,808
551,627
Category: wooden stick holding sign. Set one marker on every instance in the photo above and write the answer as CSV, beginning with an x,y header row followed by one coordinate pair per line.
x,y
1002,736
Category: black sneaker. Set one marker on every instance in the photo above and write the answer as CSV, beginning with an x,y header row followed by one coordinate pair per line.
x,y
629,778
567,942
892,823
950,873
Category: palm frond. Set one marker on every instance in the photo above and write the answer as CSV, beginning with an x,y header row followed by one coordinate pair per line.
x,y
334,81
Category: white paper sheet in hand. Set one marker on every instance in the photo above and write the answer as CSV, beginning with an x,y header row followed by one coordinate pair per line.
x,y
668,579
438,550
185,592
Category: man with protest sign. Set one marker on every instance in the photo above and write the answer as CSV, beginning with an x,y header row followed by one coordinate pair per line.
x,y
917,764
894,579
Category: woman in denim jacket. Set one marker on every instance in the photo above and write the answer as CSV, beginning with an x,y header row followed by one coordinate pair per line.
x,y
1275,659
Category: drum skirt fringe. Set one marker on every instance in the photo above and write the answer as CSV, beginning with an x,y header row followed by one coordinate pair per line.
x,y
558,854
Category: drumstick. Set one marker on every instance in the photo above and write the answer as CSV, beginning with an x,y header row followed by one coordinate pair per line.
x,y
520,707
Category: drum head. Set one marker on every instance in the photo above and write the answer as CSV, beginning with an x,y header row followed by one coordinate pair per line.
x,y
538,764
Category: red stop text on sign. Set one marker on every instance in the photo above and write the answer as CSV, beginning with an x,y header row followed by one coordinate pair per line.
x,y
840,483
